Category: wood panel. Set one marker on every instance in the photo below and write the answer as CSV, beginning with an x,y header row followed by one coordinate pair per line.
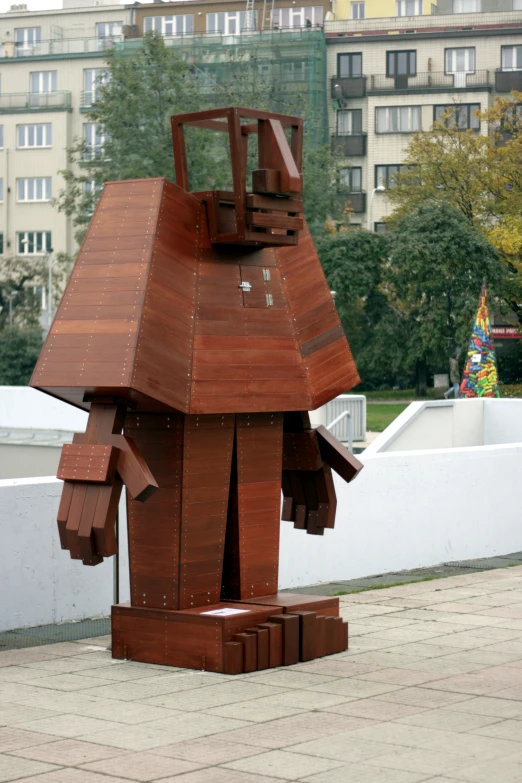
x,y
252,556
155,526
207,457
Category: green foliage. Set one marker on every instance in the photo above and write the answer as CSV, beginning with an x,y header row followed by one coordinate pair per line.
x,y
133,109
19,351
408,298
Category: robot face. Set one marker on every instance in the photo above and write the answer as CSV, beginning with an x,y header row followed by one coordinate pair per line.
x,y
270,212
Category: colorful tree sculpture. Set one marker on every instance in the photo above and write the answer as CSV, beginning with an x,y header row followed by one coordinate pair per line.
x,y
480,373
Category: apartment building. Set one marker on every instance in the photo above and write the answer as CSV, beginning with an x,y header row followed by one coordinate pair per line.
x,y
52,61
390,77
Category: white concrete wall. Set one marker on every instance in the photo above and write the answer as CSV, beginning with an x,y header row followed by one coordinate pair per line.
x,y
502,421
39,583
411,510
405,510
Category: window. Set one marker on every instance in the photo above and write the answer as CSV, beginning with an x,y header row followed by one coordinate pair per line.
x,y
409,7
1,137
517,5
349,65
307,16
1,189
350,178
401,63
30,243
293,71
108,29
93,78
92,191
1,244
226,22
38,135
25,39
169,25
385,175
42,81
379,228
94,139
466,6
463,116
398,119
349,122
357,10
512,58
33,189
460,62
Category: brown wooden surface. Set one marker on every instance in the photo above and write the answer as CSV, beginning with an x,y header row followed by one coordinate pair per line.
x,y
337,456
307,634
290,630
288,602
275,632
87,463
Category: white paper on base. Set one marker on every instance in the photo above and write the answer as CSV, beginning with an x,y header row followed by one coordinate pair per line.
x,y
226,612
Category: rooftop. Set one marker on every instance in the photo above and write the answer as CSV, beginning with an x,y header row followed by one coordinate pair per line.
x,y
430,690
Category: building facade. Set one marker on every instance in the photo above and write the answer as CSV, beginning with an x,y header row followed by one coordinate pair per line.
x,y
390,77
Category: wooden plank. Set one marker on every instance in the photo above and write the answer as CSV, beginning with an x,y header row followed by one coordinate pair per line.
x,y
337,456
269,220
331,635
290,631
275,631
233,658
321,341
307,634
263,646
249,642
320,635
279,204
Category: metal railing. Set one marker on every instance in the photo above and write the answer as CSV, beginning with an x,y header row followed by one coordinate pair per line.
x,y
346,417
35,101
430,81
59,46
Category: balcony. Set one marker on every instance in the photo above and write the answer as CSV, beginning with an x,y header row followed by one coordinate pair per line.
x,y
59,47
13,102
349,145
430,81
505,81
348,87
354,201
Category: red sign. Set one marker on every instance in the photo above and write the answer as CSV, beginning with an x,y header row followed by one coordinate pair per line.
x,y
506,332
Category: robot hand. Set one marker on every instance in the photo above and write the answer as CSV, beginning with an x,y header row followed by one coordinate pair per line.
x,y
309,499
94,469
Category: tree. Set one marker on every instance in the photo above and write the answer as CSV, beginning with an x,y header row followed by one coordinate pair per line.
x,y
19,351
132,112
478,175
437,263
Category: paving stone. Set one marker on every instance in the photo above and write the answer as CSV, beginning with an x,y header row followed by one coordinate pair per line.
x,y
13,737
69,752
488,705
12,714
421,760
279,764
207,750
341,747
70,725
215,695
448,720
12,768
141,766
66,682
71,775
220,775
375,709
364,773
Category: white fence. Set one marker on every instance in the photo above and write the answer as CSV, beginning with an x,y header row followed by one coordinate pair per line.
x,y
348,428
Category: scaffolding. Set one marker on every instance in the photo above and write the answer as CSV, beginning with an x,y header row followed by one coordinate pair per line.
x,y
278,70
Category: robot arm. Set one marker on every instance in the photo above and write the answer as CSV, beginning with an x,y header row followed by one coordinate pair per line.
x,y
94,468
309,499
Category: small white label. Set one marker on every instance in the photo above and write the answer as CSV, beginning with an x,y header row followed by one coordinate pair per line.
x,y
476,358
226,612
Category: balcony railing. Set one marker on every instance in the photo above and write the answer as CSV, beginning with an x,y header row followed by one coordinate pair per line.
x,y
505,81
356,201
35,101
348,87
59,46
429,81
349,145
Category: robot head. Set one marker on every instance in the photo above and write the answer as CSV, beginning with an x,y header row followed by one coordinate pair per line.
x,y
269,211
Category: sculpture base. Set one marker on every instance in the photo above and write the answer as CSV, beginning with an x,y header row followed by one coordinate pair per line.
x,y
233,636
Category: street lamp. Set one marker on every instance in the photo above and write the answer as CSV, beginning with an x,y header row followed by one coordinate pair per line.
x,y
378,189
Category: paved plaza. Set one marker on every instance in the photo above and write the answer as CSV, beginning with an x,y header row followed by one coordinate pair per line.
x,y
430,690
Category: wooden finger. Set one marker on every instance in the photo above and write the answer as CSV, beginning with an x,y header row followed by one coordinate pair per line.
x,y
296,481
327,499
85,536
288,511
63,512
104,522
337,456
73,520
312,503
133,469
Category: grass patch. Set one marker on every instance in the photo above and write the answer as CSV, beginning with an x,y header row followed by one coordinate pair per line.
x,y
391,584
378,417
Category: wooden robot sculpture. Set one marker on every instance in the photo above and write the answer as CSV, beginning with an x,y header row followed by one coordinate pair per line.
x,y
198,329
